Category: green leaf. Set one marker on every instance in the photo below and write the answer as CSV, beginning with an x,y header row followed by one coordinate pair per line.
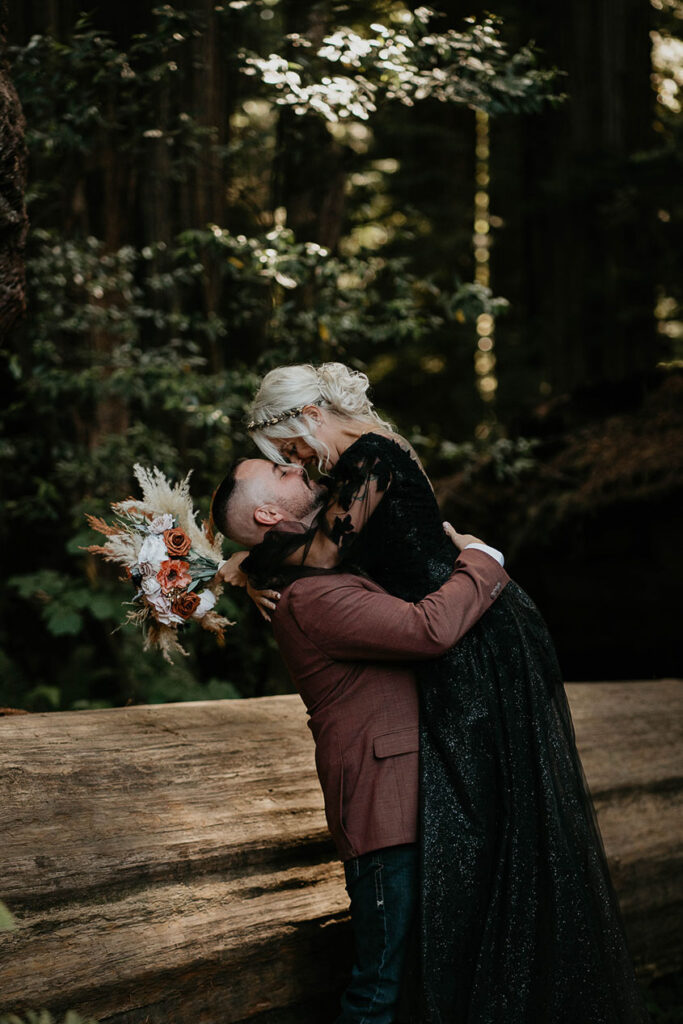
x,y
77,597
46,581
44,698
90,705
7,922
217,689
62,621
75,1018
102,606
78,541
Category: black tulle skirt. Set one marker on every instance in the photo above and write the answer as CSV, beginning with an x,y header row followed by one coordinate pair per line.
x,y
519,923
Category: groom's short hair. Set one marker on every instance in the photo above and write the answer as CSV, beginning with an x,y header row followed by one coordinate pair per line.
x,y
233,505
224,497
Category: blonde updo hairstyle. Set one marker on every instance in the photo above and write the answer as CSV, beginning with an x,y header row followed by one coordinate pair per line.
x,y
284,391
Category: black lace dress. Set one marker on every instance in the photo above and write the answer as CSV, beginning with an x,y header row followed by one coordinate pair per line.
x,y
518,921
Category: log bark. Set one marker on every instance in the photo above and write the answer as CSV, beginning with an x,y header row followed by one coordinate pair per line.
x,y
171,863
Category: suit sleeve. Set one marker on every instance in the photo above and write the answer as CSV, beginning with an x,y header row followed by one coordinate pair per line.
x,y
350,622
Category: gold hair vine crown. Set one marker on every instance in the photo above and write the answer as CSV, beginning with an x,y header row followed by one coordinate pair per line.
x,y
274,420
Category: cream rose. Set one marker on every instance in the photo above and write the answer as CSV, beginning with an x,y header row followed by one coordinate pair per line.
x,y
206,602
153,550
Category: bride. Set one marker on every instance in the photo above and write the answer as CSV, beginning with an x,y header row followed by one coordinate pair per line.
x,y
518,920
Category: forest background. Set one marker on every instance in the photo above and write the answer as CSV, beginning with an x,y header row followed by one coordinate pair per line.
x,y
217,188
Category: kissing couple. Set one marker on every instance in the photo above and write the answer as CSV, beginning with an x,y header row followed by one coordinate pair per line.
x,y
478,883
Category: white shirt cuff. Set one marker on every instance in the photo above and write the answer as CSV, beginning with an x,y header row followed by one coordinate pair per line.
x,y
493,552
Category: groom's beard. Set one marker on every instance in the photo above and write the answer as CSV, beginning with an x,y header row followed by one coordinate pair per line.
x,y
304,507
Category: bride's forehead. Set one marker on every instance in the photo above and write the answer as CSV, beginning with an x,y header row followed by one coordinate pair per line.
x,y
292,443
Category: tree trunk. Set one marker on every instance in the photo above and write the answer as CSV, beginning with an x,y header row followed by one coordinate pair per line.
x,y
13,220
574,254
171,863
310,173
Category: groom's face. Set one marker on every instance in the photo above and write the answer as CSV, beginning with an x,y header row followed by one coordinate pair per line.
x,y
288,487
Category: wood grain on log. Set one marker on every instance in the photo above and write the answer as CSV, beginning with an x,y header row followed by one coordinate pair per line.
x,y
171,864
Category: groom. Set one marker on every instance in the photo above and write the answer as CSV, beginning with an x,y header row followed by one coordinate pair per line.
x,y
348,646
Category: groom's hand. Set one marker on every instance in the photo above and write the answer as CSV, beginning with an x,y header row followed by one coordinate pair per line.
x,y
461,540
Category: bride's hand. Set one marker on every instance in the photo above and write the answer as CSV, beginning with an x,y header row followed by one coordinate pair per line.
x,y
265,600
461,540
230,572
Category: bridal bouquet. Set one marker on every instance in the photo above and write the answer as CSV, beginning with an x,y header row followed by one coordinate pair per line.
x,y
170,560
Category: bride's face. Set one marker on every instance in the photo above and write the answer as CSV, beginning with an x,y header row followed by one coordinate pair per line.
x,y
326,429
295,450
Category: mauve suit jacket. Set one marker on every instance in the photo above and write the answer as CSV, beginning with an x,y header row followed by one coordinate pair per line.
x,y
348,646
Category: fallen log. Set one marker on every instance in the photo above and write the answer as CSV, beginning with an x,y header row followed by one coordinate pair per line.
x,y
170,864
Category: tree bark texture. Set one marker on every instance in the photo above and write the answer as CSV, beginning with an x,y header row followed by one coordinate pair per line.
x,y
13,220
172,863
575,254
311,166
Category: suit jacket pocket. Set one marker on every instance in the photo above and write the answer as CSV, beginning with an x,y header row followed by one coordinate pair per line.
x,y
403,741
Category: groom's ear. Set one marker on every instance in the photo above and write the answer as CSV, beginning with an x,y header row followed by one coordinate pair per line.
x,y
267,515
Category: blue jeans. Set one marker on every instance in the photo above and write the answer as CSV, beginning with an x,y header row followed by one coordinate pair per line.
x,y
382,888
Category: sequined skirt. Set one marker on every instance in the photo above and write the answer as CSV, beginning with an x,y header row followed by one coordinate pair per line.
x,y
518,923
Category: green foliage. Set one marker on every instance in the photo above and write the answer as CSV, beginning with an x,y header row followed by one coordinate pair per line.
x,y
353,303
660,170
62,604
7,922
80,95
505,459
350,75
145,347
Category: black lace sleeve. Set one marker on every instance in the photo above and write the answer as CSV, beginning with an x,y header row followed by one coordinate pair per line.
x,y
356,485
359,482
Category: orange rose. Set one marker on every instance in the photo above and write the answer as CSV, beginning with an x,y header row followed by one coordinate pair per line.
x,y
173,574
177,542
185,604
